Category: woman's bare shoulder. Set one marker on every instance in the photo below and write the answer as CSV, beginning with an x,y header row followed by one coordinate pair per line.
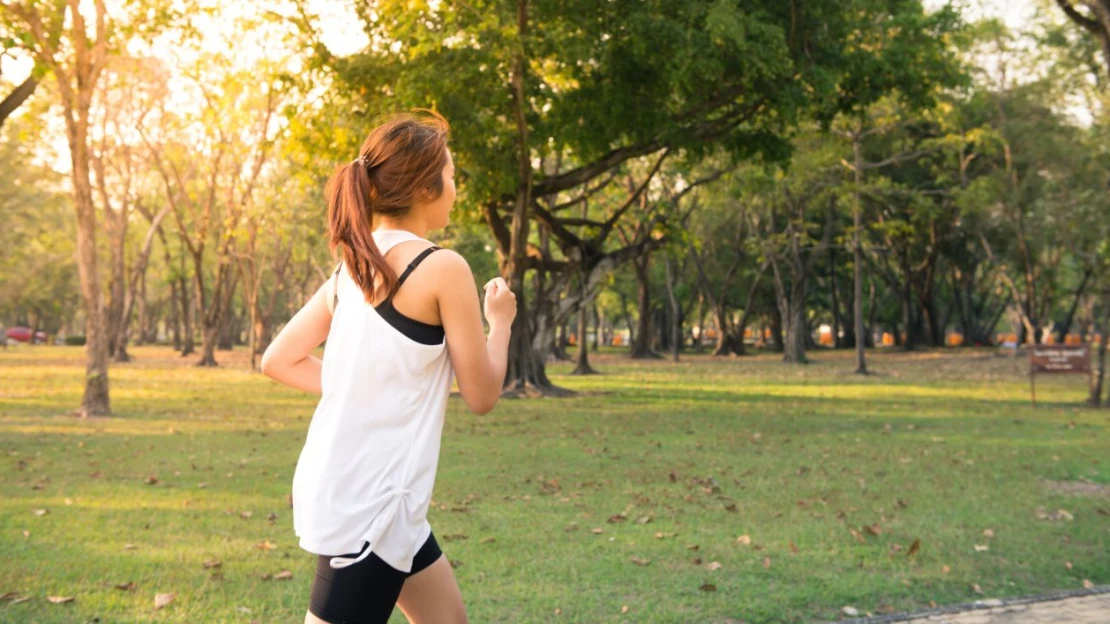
x,y
449,265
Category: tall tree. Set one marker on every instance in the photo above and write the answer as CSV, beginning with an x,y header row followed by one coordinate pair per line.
x,y
598,84
76,59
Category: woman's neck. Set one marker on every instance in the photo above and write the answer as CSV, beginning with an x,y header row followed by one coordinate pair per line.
x,y
418,229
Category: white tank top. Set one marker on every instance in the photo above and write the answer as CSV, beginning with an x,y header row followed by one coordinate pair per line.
x,y
369,461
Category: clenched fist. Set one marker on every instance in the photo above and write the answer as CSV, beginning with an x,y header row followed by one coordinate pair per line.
x,y
500,306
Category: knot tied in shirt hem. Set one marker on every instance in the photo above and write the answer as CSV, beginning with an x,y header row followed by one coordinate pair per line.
x,y
392,499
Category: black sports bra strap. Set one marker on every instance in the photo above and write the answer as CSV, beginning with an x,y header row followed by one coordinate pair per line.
x,y
415,261
335,290
412,265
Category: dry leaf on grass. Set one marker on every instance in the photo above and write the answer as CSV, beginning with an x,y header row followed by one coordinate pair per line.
x,y
988,533
151,480
767,563
40,512
212,563
60,599
708,587
640,561
1087,584
713,565
161,600
745,540
129,586
982,548
914,548
284,575
265,545
1059,514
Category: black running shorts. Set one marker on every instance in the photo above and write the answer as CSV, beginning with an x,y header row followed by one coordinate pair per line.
x,y
366,592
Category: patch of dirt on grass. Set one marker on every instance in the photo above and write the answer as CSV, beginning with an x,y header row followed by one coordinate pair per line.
x,y
1082,488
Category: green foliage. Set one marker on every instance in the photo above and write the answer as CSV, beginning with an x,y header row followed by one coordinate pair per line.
x,y
38,274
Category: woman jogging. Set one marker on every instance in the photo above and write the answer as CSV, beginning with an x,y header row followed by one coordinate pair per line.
x,y
401,318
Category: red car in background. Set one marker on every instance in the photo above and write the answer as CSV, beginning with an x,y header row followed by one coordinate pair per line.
x,y
24,334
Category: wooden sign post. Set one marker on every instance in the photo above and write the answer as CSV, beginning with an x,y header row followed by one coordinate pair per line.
x,y
1057,359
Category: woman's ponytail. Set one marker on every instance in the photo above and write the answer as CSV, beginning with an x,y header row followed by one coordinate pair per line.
x,y
351,195
400,163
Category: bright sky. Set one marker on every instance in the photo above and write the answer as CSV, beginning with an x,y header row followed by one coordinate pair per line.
x,y
1016,13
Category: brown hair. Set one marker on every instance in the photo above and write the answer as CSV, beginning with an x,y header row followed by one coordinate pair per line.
x,y
400,162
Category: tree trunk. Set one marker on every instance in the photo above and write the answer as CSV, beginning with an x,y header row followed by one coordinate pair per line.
x,y
117,281
562,339
1066,326
835,298
187,308
723,343
229,320
1102,327
857,260
142,319
208,319
776,330
907,306
641,342
740,348
525,373
794,351
599,332
583,365
175,317
868,337
137,276
676,315
95,401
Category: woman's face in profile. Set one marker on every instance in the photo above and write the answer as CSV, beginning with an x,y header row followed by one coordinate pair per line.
x,y
441,207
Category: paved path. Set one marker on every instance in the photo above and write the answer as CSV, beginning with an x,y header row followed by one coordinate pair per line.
x,y
1086,607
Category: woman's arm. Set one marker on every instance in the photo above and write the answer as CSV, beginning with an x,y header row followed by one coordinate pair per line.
x,y
479,361
289,357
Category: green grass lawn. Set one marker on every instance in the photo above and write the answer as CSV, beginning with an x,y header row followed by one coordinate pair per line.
x,y
551,507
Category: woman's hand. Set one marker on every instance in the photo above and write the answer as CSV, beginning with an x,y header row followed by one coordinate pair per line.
x,y
500,306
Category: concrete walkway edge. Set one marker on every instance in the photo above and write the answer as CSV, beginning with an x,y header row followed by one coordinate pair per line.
x,y
980,604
